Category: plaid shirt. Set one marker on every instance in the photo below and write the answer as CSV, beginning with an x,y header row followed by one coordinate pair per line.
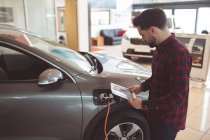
x,y
169,84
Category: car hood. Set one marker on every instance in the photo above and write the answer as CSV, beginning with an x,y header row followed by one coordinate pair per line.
x,y
116,70
120,66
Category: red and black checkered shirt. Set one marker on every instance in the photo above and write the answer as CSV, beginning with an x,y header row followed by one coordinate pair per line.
x,y
169,84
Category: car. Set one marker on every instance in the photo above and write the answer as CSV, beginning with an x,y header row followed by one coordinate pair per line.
x,y
50,92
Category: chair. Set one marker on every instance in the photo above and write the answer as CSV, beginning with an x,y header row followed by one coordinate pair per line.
x,y
111,36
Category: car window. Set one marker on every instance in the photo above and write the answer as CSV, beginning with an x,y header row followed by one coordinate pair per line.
x,y
58,52
15,65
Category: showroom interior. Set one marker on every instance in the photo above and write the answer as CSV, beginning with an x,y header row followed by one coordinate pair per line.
x,y
105,27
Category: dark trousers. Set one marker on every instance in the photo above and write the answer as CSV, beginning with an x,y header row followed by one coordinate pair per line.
x,y
162,132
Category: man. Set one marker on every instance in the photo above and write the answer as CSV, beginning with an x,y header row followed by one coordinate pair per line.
x,y
168,86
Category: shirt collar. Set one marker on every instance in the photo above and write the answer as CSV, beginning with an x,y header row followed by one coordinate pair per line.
x,y
165,43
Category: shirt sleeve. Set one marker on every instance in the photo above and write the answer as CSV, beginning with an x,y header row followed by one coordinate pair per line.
x,y
179,68
146,84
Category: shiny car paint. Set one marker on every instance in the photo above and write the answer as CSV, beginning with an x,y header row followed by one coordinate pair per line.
x,y
61,111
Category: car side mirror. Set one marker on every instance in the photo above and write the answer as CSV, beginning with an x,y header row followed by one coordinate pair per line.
x,y
49,77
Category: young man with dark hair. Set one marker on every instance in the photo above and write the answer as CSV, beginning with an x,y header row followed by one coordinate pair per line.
x,y
168,86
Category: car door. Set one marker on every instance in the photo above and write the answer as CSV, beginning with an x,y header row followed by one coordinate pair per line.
x,y
30,112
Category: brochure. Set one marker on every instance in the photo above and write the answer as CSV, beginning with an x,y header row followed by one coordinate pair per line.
x,y
121,91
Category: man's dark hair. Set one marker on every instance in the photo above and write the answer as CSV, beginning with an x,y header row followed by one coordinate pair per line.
x,y
151,17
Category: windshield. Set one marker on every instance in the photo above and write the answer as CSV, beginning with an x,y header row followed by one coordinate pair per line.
x,y
60,53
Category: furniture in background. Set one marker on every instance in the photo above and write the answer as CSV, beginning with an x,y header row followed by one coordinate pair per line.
x,y
112,36
98,41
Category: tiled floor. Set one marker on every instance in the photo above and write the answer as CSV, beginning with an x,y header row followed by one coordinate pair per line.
x,y
198,118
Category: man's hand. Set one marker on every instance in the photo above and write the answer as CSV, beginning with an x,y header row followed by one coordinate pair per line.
x,y
136,103
135,89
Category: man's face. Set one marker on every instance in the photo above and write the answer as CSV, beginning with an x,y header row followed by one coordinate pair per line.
x,y
148,37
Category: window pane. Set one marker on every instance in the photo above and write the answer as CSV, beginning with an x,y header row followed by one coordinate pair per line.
x,y
18,66
168,12
185,19
12,13
100,17
41,17
203,20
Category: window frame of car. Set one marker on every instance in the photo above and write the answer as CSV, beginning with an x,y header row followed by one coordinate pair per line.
x,y
15,46
58,51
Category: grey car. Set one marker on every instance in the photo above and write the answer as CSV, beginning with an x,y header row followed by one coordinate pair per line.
x,y
50,92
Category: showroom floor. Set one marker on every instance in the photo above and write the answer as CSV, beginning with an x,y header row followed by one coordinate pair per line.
x,y
198,118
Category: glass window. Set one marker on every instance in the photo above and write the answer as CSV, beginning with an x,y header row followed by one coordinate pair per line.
x,y
203,20
185,19
41,17
67,56
168,12
15,65
100,17
12,13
